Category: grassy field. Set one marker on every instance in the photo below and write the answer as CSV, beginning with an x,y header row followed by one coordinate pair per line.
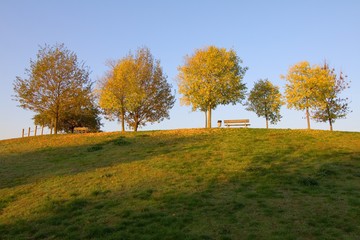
x,y
182,184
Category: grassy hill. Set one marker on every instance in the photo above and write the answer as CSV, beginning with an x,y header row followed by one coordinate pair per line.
x,y
182,184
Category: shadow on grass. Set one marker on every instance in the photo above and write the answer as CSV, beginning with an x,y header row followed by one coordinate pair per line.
x,y
105,216
240,208
278,195
19,169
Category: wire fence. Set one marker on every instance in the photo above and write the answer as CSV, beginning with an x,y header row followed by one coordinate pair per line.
x,y
36,131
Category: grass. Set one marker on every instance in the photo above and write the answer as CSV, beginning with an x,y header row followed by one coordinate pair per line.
x,y
182,184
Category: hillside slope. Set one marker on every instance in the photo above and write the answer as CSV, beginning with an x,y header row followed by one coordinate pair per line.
x,y
182,184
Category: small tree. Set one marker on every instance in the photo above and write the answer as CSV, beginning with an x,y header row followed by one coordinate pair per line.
x,y
330,105
114,90
56,82
303,84
137,90
43,119
265,100
210,77
83,116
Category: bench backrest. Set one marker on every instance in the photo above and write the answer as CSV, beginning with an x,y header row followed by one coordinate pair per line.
x,y
81,129
237,121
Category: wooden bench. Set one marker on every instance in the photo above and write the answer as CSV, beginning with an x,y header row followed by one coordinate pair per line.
x,y
81,130
237,122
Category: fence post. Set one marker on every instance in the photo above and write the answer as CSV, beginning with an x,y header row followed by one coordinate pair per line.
x,y
35,130
29,132
23,132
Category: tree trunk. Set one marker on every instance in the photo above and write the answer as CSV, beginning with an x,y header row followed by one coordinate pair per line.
x,y
122,125
267,123
56,127
331,127
136,122
330,120
209,117
52,126
308,118
205,118
56,123
122,119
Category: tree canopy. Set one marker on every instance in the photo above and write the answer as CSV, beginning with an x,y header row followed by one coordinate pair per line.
x,y
210,77
330,104
303,83
114,89
265,100
85,115
136,90
56,83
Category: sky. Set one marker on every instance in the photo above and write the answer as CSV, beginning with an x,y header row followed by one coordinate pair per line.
x,y
269,37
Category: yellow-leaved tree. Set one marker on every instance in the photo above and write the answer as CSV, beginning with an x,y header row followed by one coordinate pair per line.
x,y
331,105
135,90
211,76
304,82
57,86
114,89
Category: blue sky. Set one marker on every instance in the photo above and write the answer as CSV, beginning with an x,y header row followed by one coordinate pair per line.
x,y
269,36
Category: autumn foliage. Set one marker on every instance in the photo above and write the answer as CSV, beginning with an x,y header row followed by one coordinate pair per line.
x,y
57,86
316,88
136,91
210,77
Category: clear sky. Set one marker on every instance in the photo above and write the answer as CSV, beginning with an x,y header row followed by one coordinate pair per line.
x,y
269,36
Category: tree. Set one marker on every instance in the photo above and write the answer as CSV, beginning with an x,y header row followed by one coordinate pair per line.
x,y
151,98
43,120
303,83
114,89
210,77
330,105
137,90
56,82
265,100
83,116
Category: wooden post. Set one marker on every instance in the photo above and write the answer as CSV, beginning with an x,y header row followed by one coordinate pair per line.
x,y
42,130
23,133
29,132
35,130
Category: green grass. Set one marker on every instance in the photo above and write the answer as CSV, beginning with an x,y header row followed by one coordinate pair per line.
x,y
182,184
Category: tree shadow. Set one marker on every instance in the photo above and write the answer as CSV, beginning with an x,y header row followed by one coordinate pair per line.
x,y
245,205
277,195
38,165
